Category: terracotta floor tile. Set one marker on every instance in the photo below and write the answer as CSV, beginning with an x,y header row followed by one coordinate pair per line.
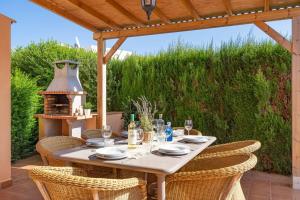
x,y
261,188
258,197
296,195
256,185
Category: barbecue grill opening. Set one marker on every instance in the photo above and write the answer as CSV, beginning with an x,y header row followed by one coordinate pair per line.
x,y
57,104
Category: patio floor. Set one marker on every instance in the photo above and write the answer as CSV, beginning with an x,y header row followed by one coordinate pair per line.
x,y
256,185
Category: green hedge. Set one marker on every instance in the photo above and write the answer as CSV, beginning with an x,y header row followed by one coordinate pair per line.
x,y
239,91
25,103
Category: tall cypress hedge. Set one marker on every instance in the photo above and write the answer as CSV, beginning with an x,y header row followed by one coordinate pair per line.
x,y
235,92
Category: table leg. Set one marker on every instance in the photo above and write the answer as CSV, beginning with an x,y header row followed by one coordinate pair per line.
x,y
161,187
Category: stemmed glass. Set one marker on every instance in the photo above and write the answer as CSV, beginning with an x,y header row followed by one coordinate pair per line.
x,y
155,124
106,132
188,125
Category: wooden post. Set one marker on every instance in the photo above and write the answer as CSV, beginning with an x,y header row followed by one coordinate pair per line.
x,y
101,84
296,102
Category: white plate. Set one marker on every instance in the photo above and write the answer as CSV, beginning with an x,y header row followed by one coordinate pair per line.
x,y
178,132
184,152
111,152
173,148
95,142
111,158
195,139
124,134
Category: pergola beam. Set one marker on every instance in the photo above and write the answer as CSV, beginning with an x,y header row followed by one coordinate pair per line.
x,y
66,15
202,24
81,5
158,12
116,46
274,35
227,4
189,6
267,5
125,12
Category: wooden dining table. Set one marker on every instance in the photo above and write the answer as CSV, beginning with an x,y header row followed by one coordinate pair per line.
x,y
151,162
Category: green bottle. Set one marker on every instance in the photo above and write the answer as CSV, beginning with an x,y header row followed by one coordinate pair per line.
x,y
132,133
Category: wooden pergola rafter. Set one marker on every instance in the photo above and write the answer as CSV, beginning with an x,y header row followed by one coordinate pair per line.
x,y
227,4
190,7
113,19
125,12
95,13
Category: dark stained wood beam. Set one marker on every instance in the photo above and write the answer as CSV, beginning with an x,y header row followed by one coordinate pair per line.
x,y
95,13
125,12
189,6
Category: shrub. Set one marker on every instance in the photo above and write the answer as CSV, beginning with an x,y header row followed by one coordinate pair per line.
x,y
25,103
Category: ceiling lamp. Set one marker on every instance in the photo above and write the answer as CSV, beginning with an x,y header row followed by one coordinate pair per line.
x,y
148,6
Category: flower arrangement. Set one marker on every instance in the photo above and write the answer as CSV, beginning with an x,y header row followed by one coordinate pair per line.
x,y
146,111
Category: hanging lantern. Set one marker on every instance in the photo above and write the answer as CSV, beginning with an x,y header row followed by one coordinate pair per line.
x,y
148,6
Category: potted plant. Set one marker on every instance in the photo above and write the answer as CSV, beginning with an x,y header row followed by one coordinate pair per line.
x,y
87,108
146,112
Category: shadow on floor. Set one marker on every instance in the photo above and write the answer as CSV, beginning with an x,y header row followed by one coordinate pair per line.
x,y
256,185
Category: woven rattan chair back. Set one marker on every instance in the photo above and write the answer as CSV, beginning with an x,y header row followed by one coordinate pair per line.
x,y
240,147
209,178
47,146
69,183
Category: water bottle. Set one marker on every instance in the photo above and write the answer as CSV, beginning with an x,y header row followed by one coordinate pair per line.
x,y
169,132
160,123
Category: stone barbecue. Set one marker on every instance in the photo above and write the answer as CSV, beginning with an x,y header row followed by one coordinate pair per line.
x,y
63,103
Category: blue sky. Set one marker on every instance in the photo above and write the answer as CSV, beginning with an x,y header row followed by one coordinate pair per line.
x,y
35,24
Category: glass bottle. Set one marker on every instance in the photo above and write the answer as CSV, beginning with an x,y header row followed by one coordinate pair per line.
x,y
132,133
169,132
160,123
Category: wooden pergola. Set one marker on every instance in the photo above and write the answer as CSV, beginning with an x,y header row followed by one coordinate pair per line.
x,y
120,19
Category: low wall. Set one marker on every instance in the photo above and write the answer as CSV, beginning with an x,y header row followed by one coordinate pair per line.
x,y
114,119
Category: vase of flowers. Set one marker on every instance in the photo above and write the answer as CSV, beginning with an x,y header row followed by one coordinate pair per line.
x,y
146,112
87,108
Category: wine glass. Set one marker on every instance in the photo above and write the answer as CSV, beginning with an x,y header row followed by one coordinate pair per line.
x,y
155,123
106,132
161,135
188,125
140,135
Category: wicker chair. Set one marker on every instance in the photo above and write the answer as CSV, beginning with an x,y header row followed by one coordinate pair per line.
x,y
94,133
209,178
47,146
233,148
192,132
69,183
240,147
